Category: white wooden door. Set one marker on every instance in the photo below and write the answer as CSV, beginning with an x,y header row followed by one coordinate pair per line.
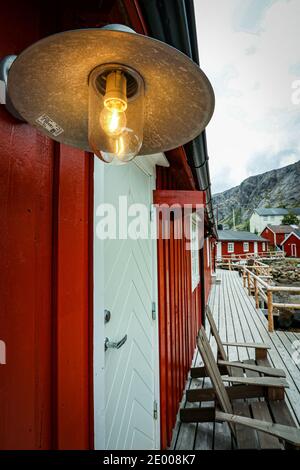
x,y
125,379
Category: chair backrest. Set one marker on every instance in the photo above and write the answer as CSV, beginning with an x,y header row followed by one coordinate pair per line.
x,y
213,371
215,333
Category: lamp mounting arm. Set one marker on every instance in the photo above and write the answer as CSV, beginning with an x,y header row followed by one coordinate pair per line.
x,y
5,65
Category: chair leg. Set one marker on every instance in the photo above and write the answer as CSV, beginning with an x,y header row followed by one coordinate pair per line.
x,y
261,354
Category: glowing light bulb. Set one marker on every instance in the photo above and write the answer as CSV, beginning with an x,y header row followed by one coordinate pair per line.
x,y
112,122
116,113
113,117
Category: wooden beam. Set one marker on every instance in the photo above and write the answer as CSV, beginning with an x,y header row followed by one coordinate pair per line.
x,y
197,415
263,381
248,345
199,372
288,433
235,392
170,197
261,369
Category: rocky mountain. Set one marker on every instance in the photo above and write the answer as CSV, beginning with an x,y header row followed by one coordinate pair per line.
x,y
275,188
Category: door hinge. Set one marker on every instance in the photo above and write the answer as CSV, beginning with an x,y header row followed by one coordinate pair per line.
x,y
153,311
155,410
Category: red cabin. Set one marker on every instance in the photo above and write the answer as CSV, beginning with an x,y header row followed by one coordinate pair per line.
x,y
291,245
242,243
276,234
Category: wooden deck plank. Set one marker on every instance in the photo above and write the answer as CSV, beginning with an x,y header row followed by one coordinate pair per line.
x,y
235,323
186,432
222,434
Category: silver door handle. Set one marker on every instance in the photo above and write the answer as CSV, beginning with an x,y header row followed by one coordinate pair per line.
x,y
113,344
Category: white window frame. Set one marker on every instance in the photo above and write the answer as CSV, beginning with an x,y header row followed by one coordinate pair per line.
x,y
195,252
230,247
265,218
245,247
263,246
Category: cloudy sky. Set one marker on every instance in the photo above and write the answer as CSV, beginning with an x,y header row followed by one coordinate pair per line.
x,y
250,50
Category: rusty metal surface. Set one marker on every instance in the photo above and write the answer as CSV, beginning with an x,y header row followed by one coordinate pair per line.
x,y
51,77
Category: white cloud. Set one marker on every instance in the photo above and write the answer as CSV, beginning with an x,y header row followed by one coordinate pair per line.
x,y
252,75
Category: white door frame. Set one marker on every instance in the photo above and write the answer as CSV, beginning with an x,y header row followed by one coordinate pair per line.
x,y
98,319
156,327
294,250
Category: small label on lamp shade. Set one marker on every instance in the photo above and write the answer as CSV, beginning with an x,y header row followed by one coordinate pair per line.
x,y
51,126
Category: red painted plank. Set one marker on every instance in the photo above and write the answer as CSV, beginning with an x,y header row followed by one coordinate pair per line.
x,y
194,198
162,339
25,262
73,300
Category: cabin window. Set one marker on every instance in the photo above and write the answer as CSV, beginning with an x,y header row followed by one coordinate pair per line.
x,y
195,253
264,246
265,217
246,246
230,247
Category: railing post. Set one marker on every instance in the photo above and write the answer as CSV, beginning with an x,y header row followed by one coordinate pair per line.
x,y
249,286
244,278
229,264
270,311
256,293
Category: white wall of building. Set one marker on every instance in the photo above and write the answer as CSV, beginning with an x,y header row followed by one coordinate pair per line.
x,y
259,222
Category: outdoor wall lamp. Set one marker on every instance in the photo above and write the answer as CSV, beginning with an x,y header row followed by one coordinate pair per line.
x,y
109,91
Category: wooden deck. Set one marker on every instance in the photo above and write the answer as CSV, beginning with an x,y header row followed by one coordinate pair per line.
x,y
237,319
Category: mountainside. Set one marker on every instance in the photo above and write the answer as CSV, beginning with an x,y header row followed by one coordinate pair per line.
x,y
275,188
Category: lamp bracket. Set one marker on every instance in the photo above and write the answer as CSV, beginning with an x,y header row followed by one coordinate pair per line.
x,y
118,27
5,65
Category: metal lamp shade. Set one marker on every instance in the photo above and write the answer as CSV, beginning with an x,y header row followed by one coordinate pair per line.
x,y
48,86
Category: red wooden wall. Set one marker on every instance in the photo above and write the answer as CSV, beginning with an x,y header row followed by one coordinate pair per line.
x,y
179,321
239,250
287,246
179,306
45,256
274,238
269,235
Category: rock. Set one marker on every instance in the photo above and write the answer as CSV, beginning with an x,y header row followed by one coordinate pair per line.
x,y
273,188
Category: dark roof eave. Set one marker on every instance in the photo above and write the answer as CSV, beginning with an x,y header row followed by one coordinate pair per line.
x,y
174,23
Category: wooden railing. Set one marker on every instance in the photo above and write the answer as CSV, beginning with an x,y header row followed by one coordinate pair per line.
x,y
230,260
260,287
260,254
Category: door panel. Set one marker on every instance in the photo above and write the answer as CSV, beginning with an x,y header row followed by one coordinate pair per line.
x,y
125,268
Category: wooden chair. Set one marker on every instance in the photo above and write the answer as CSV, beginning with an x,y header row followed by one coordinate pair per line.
x,y
261,367
284,428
